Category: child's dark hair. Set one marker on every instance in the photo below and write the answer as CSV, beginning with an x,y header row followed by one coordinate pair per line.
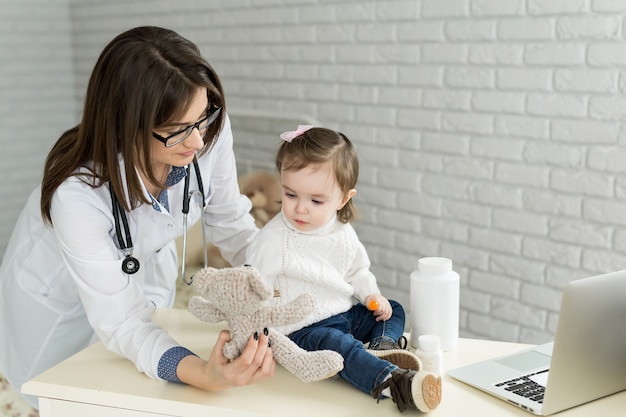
x,y
320,145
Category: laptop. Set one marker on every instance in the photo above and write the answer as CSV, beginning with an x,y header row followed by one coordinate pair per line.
x,y
586,361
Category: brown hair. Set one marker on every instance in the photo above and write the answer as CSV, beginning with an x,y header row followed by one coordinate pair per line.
x,y
144,78
317,146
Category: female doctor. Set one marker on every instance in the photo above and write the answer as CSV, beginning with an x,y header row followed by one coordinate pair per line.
x,y
113,185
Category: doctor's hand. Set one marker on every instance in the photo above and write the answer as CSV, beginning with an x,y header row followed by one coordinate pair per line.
x,y
218,373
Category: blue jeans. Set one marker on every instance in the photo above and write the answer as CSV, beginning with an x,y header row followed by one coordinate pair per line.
x,y
346,333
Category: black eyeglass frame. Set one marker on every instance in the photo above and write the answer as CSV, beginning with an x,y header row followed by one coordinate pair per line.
x,y
187,130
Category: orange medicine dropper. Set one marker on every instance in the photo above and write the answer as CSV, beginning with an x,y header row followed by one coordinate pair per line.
x,y
372,305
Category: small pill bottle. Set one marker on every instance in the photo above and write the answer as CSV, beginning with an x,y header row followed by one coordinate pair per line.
x,y
430,353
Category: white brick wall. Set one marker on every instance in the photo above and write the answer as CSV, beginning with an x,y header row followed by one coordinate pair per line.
x,y
36,96
490,131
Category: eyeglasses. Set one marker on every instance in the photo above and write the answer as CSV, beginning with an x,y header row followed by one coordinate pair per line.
x,y
177,137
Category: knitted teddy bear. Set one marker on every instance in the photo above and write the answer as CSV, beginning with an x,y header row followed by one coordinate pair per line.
x,y
238,296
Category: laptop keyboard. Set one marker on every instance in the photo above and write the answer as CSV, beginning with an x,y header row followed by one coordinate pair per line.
x,y
525,387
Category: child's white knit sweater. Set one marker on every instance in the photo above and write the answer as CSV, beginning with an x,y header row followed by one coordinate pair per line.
x,y
329,263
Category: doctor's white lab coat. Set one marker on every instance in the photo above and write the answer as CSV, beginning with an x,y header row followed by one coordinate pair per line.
x,y
63,288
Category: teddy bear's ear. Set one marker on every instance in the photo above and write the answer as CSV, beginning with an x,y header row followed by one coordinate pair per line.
x,y
258,285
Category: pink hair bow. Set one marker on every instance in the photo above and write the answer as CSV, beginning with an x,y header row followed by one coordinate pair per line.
x,y
292,134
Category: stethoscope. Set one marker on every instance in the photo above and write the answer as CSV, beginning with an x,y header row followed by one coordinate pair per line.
x,y
130,264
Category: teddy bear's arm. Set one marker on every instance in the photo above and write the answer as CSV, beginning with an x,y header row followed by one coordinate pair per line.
x,y
292,312
204,310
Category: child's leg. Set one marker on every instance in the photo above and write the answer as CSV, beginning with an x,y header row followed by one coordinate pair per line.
x,y
385,338
390,330
367,372
360,368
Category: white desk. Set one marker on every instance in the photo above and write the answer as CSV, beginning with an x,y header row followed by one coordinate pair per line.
x,y
97,383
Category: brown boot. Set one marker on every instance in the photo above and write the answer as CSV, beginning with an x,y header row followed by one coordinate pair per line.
x,y
420,389
396,353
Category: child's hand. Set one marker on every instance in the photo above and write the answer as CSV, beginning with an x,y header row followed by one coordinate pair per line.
x,y
379,306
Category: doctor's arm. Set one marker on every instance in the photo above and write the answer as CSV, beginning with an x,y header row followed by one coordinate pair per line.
x,y
230,226
118,312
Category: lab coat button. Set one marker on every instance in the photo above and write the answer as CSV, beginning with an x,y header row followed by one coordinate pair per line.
x,y
170,225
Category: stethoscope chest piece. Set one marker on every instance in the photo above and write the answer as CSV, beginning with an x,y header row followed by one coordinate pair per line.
x,y
130,264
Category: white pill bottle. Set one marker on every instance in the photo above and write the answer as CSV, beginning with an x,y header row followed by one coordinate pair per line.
x,y
435,289
430,353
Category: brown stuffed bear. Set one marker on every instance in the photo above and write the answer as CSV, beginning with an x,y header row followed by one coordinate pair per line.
x,y
238,295
265,192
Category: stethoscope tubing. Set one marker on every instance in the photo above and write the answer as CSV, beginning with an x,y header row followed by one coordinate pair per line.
x,y
186,200
130,264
